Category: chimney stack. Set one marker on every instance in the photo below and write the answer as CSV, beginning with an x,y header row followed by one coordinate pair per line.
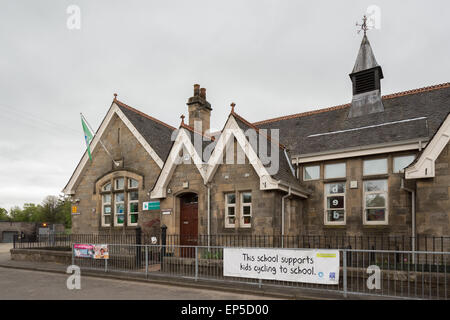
x,y
199,109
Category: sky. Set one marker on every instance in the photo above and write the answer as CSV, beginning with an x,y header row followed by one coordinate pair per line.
x,y
270,57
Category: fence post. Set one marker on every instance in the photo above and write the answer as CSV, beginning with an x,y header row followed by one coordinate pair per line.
x,y
138,246
14,241
146,261
106,265
163,243
73,256
196,263
344,269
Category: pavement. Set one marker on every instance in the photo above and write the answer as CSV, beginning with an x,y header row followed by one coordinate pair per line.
x,y
48,281
37,285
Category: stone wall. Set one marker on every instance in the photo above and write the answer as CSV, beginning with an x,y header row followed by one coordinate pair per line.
x,y
125,148
399,202
28,228
433,202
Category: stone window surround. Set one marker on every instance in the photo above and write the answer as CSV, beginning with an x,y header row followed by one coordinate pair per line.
x,y
386,214
238,213
110,177
325,206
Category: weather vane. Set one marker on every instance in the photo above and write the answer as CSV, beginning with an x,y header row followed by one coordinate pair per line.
x,y
363,27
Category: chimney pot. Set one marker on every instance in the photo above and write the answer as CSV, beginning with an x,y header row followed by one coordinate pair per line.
x,y
196,89
203,93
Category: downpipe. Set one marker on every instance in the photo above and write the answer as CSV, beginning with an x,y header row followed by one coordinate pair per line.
x,y
413,217
282,216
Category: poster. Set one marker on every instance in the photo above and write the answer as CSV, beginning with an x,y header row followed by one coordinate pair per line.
x,y
83,250
298,265
101,251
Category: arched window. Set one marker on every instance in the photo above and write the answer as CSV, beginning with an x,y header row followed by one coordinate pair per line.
x,y
119,196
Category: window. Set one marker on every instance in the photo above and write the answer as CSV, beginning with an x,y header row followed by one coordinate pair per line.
x,y
311,173
230,210
119,183
336,170
120,209
133,208
376,166
246,209
401,163
107,187
335,203
106,209
132,183
375,202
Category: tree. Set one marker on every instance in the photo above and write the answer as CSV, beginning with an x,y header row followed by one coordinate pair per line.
x,y
4,215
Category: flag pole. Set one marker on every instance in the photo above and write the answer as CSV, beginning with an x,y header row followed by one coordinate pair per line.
x,y
100,140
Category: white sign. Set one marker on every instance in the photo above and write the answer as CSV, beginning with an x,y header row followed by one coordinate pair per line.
x,y
308,266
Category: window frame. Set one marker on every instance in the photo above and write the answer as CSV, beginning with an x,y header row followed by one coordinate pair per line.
x,y
228,205
241,211
116,224
115,184
129,184
386,207
103,208
129,213
402,156
375,174
313,179
326,195
336,177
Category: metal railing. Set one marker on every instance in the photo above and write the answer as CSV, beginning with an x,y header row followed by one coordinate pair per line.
x,y
403,274
370,242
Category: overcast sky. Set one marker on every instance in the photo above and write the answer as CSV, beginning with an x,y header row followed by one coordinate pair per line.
x,y
272,58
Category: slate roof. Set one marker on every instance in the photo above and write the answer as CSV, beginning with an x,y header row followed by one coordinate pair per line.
x,y
157,133
284,172
410,115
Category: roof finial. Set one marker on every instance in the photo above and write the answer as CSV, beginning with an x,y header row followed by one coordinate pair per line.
x,y
182,119
363,27
232,107
115,96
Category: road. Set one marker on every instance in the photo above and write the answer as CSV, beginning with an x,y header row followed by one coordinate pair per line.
x,y
35,285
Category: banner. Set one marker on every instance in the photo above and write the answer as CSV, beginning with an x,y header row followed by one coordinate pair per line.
x,y
308,266
97,251
83,250
101,251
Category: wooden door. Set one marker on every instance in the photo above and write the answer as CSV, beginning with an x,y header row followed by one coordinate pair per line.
x,y
189,220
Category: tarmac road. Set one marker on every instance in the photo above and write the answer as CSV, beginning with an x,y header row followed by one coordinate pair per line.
x,y
36,285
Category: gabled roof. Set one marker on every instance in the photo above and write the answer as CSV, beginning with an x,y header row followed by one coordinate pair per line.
x,y
410,115
154,131
235,126
150,132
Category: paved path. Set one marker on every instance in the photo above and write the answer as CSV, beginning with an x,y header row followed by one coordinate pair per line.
x,y
24,284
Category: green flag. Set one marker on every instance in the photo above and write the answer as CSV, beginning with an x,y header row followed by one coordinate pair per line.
x,y
87,136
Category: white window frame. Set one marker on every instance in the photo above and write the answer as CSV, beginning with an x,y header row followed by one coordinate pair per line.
x,y
242,205
129,213
103,209
332,164
228,205
129,183
374,174
115,209
304,173
104,186
403,156
325,204
115,183
386,213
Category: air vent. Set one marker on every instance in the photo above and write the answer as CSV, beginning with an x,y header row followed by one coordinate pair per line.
x,y
365,82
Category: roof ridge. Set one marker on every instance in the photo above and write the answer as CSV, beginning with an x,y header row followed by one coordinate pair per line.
x,y
255,128
184,125
343,106
120,103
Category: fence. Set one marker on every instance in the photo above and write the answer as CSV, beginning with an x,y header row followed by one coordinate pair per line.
x,y
375,242
404,274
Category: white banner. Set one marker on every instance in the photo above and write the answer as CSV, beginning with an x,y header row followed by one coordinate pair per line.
x,y
309,266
